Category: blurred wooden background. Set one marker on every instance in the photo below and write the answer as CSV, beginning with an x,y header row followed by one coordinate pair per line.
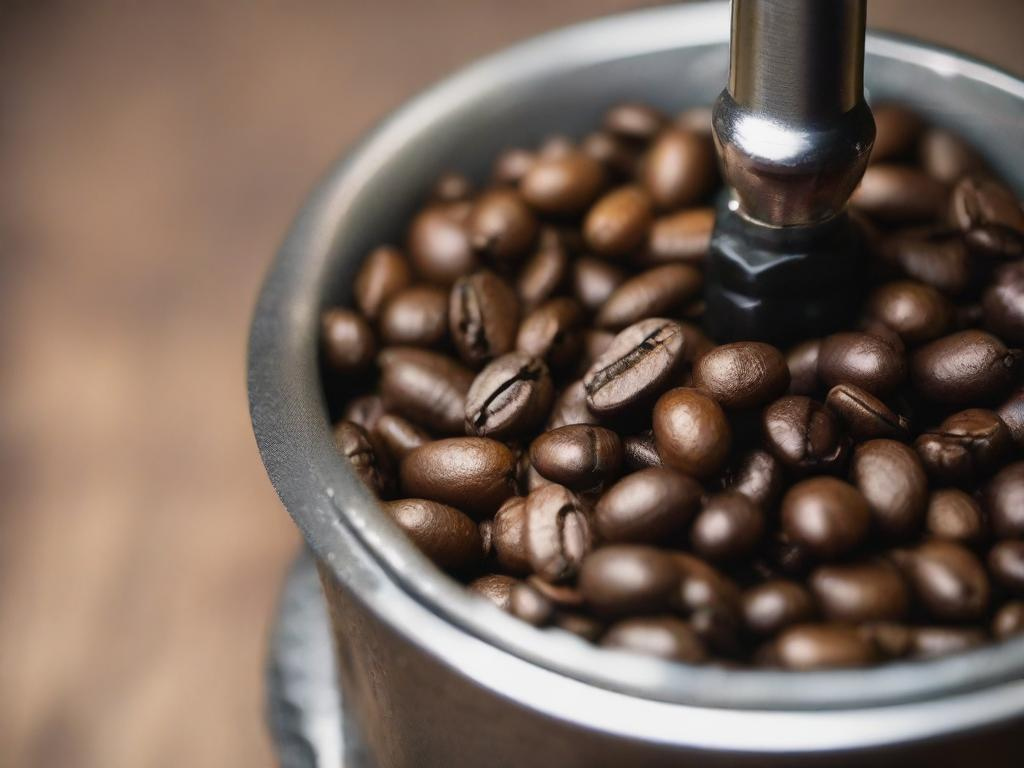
x,y
151,156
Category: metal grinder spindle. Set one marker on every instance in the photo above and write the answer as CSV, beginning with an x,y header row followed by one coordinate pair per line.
x,y
793,135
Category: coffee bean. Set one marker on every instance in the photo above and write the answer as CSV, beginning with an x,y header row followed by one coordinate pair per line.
x,y
354,444
648,506
932,642
416,316
967,445
1003,499
364,411
427,388
494,587
1006,564
896,132
347,340
774,605
803,435
861,592
562,596
399,435
759,476
890,639
594,281
823,646
1003,303
954,516
702,589
439,244
553,332
474,474
628,579
444,534
384,273
965,367
638,122
939,260
619,156
679,169
896,194
508,536
745,374
1012,414
542,274
994,241
564,185
915,311
727,528
483,315
660,636
558,532
947,157
691,432
948,580
556,145
579,456
864,415
512,165
683,236
892,480
571,407
509,397
861,359
659,291
827,516
637,366
451,187
1009,621
802,361
617,224
581,625
531,606
979,201
501,226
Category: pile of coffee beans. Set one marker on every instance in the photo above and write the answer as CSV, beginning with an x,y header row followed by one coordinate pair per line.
x,y
526,386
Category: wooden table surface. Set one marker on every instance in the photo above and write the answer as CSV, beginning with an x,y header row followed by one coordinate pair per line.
x,y
151,156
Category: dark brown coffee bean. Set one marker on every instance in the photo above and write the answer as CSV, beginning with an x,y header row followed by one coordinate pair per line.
x,y
662,290
511,165
416,316
508,398
966,446
531,606
890,639
744,374
896,132
827,516
354,444
571,407
1006,564
861,592
892,480
932,642
660,636
483,315
553,332
508,536
727,528
939,260
896,194
444,534
451,187
771,606
1004,501
637,366
979,201
639,122
579,456
558,532
640,452
863,360
802,361
494,587
427,388
823,646
581,625
619,156
703,589
691,432
947,157
399,435
1009,621
679,169
594,281
562,596
648,506
1003,303
542,275
501,226
628,580
864,415
384,273
954,516
439,244
964,368
617,224
474,474
347,340
564,185
994,241
759,476
948,580
683,236
915,311
364,411
1012,414
803,435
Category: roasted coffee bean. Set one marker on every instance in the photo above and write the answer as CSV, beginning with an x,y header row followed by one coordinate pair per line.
x,y
696,344
979,201
915,311
486,530
542,275
864,415
427,388
948,580
823,646
494,587
558,532
679,169
531,606
745,374
556,145
640,452
628,579
508,398
1012,414
619,156
474,474
803,435
994,241
965,367
954,516
1006,564
679,237
439,244
861,592
759,476
399,435
564,185
636,368
892,480
483,315
354,444
581,625
571,407
827,516
691,432
638,122
444,534
932,642
703,589
512,165
594,281
861,359
727,528
617,224
1004,501
364,411
451,187
896,132
416,316
896,194
939,260
562,596
966,446
774,605
1003,303
347,340
662,290
802,361
891,640
508,536
578,456
661,636
501,226
648,506
1009,621
595,344
384,273
553,332
947,157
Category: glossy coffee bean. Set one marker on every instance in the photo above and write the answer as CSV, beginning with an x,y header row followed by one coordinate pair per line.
x,y
1012,414
948,580
619,156
427,388
364,411
563,185
511,165
531,606
771,606
964,447
416,316
1003,500
558,532
861,592
915,311
981,201
727,528
954,516
617,224
628,579
683,237
495,587
826,516
1006,564
896,132
510,397
483,316
995,241
864,416
444,534
823,646
861,359
570,407
703,589
640,452
474,474
891,478
659,291
802,361
932,642
451,187
501,226
635,121
891,640
508,536
964,368
593,281
896,194
1009,621
803,434
947,157
648,506
439,244
399,435
679,169
384,273
347,340
759,476
553,332
691,432
638,365
1003,303
583,626
354,444
542,275
939,260
661,636
578,456
744,374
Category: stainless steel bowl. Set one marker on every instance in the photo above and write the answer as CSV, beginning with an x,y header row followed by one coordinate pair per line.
x,y
437,677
